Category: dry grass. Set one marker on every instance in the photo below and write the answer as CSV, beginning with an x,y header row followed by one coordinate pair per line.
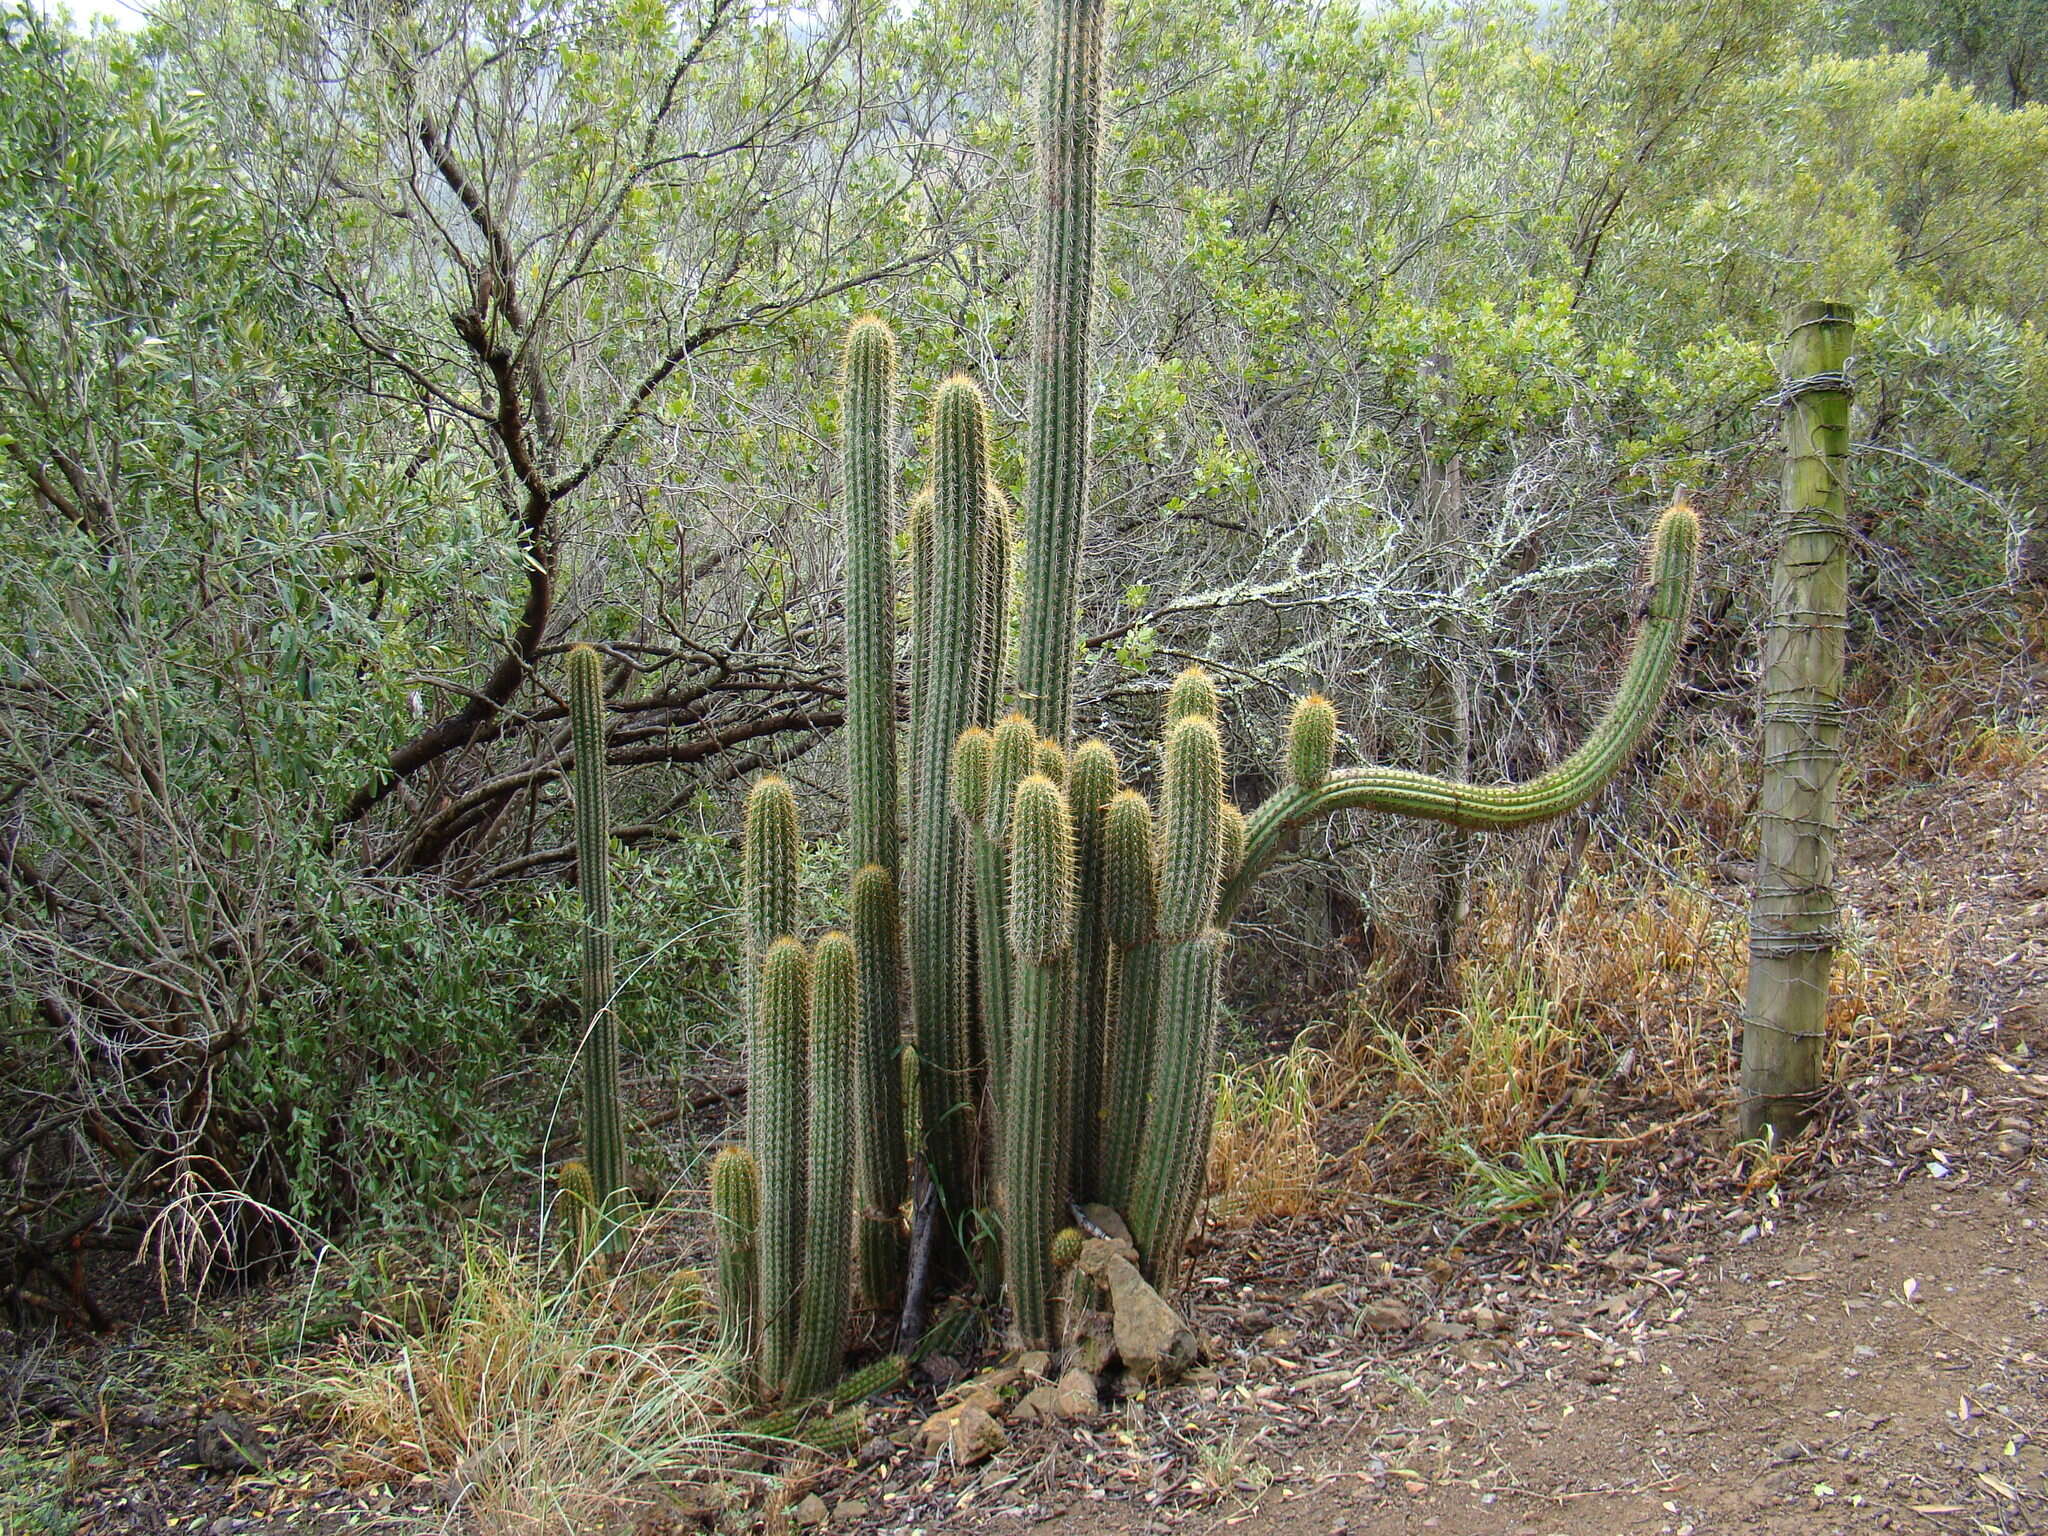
x,y
1972,712
537,1403
1574,1034
1263,1158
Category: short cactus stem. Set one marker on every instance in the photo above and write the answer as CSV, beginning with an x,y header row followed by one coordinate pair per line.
x,y
973,759
1041,934
736,1220
1172,1160
828,1185
1193,692
1050,761
884,1159
770,850
1092,781
1191,828
1128,887
1231,829
777,1131
604,1142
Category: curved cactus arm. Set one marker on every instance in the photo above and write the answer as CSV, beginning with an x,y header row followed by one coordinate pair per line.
x,y
1672,563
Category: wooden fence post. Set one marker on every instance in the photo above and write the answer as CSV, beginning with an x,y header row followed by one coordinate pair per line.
x,y
1793,911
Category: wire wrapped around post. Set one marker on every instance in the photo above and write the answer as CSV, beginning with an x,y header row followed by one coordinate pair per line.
x,y
1794,921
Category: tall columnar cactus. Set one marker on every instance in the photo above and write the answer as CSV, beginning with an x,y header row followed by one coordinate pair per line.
x,y
867,438
1041,924
1063,945
952,693
736,1223
604,1142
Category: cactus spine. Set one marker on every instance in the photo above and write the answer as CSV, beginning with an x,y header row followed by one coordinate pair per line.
x,y
1041,932
603,1141
736,1222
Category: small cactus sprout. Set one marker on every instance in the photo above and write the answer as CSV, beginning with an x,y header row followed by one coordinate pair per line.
x,y
1311,742
736,1221
1066,1248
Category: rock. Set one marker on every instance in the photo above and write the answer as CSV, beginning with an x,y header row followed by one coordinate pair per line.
x,y
2014,1142
1094,1346
1487,1320
1075,1397
979,1395
811,1511
1436,1330
850,1509
1041,1402
1385,1317
875,1450
941,1370
226,1444
1277,1337
966,1433
997,1380
1107,1221
1326,1295
1035,1362
1154,1343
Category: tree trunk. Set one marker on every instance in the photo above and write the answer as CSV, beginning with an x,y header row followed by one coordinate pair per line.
x,y
1792,926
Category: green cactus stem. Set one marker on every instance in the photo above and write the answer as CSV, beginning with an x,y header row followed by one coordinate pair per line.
x,y
951,693
1129,906
884,1184
579,1205
1672,559
1062,300
1173,1145
1311,742
770,845
736,1221
1093,780
604,1142
828,1187
776,1134
1193,692
867,423
1041,934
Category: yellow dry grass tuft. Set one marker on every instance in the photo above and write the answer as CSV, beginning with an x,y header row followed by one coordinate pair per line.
x,y
1263,1158
536,1404
1622,1007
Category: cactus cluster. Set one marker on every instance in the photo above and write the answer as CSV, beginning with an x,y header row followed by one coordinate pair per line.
x,y
1025,1005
